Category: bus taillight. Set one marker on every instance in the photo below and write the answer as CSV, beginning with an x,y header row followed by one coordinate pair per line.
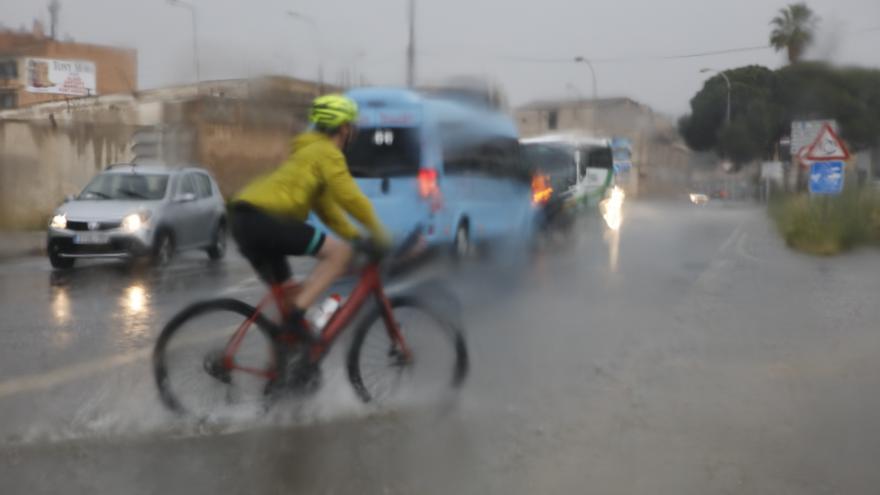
x,y
428,188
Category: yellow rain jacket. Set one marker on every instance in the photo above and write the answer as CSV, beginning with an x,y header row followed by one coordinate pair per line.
x,y
315,177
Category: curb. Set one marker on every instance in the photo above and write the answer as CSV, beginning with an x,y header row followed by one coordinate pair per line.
x,y
24,253
11,248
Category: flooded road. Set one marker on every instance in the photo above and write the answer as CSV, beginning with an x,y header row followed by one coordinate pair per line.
x,y
687,353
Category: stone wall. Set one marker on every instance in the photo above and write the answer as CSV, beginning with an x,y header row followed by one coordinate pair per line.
x,y
237,153
40,164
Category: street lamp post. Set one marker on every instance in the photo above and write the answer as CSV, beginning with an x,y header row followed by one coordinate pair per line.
x,y
726,80
192,11
411,47
583,60
352,68
319,45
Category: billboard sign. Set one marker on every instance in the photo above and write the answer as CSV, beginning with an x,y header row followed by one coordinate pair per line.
x,y
61,77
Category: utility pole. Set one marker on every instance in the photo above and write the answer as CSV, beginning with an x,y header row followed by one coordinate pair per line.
x,y
319,43
411,49
195,36
54,8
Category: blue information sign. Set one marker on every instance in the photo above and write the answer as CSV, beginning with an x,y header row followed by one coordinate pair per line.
x,y
826,177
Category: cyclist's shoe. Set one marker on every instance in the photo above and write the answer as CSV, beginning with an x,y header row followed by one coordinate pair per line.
x,y
302,378
294,330
297,376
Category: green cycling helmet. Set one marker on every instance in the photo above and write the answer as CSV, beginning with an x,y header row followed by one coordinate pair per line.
x,y
332,111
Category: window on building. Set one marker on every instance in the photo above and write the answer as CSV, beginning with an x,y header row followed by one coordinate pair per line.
x,y
8,99
8,69
552,120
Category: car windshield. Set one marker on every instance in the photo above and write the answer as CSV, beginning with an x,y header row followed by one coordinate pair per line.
x,y
384,152
132,186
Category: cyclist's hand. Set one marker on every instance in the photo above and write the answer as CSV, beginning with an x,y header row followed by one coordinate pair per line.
x,y
383,241
371,248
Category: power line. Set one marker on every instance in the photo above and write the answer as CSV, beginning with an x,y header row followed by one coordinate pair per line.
x,y
623,59
636,58
641,58
718,52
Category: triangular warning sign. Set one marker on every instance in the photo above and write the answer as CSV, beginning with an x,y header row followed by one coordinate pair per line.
x,y
827,146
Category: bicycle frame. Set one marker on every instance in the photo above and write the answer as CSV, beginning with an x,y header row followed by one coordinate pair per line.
x,y
370,283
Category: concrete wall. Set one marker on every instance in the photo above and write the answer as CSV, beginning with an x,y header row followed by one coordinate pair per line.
x,y
236,153
41,164
239,139
237,130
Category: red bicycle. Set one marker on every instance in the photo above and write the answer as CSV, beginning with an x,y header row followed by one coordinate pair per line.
x,y
209,362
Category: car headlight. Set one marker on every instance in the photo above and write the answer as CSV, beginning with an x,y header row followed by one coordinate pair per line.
x,y
59,221
135,221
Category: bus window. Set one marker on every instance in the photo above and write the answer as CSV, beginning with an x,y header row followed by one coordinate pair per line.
x,y
600,158
493,157
384,152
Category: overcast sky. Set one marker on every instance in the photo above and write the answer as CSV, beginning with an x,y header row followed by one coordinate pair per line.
x,y
506,40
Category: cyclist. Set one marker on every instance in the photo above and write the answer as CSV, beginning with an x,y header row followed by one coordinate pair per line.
x,y
268,216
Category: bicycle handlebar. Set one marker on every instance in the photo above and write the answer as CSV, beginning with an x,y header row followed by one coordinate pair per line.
x,y
376,254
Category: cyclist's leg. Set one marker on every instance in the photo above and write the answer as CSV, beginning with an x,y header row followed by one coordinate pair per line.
x,y
266,240
333,259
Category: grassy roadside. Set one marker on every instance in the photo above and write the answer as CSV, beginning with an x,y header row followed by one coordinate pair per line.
x,y
828,225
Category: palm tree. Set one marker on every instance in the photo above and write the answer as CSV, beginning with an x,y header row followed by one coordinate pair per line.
x,y
793,30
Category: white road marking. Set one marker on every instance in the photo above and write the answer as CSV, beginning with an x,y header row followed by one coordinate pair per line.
x,y
79,371
742,249
51,379
732,238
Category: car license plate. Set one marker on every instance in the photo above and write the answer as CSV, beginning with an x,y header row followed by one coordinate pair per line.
x,y
91,238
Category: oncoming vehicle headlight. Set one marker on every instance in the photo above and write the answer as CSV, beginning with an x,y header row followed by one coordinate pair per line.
x,y
59,221
135,221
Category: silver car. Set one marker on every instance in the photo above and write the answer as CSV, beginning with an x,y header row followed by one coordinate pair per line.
x,y
140,211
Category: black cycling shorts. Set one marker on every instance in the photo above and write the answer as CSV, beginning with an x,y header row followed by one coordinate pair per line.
x,y
266,240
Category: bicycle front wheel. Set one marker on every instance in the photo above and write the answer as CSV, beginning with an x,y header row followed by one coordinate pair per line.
x,y
434,362
191,365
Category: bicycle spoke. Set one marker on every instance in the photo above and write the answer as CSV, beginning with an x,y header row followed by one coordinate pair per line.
x,y
384,374
196,378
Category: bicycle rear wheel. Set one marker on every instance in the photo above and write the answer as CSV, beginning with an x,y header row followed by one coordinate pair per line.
x,y
189,368
379,370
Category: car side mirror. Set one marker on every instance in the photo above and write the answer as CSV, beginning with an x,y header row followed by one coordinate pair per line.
x,y
185,198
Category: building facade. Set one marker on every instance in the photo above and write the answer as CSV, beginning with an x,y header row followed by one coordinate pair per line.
x,y
35,68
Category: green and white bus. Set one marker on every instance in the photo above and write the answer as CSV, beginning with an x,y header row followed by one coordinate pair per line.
x,y
593,160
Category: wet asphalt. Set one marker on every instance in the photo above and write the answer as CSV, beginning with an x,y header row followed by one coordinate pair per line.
x,y
688,353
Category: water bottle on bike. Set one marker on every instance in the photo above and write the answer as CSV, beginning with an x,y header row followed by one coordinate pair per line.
x,y
319,314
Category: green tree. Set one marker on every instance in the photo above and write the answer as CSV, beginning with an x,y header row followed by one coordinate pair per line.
x,y
755,118
793,30
849,95
764,103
